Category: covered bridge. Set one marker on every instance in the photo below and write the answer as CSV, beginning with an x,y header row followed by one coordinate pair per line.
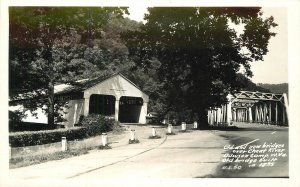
x,y
114,96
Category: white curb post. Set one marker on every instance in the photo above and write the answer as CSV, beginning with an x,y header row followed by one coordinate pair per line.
x,y
195,125
183,126
63,143
104,139
153,131
170,128
132,135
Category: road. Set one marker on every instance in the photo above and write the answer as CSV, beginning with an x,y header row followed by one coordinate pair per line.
x,y
193,154
258,135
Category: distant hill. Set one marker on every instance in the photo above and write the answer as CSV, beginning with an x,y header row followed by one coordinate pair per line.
x,y
276,88
248,85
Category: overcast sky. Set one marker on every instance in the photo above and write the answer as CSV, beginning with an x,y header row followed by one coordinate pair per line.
x,y
274,68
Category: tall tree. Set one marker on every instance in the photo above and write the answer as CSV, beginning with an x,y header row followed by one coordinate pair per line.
x,y
45,46
201,51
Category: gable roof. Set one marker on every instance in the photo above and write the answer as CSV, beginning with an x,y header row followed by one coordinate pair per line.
x,y
84,84
79,86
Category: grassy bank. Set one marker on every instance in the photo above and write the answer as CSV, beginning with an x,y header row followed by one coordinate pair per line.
x,y
37,159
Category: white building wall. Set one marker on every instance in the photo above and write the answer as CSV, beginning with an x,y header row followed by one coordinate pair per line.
x,y
73,112
143,114
40,118
118,87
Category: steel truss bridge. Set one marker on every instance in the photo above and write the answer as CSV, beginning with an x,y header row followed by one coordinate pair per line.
x,y
252,107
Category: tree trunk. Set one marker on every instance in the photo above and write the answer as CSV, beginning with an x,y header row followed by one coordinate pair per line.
x,y
50,94
51,103
202,115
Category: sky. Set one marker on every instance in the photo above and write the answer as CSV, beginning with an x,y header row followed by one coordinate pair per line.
x,y
274,68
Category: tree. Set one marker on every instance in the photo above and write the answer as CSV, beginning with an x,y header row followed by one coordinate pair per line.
x,y
200,51
45,46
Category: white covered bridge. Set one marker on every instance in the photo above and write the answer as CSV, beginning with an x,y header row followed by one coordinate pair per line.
x,y
247,106
114,96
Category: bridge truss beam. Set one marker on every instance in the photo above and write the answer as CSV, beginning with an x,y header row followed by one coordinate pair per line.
x,y
246,106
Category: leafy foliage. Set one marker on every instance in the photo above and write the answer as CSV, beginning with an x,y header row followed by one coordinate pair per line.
x,y
96,124
50,45
200,52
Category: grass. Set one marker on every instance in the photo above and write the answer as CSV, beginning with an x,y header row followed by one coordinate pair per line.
x,y
101,147
134,141
184,131
154,137
42,158
172,133
37,159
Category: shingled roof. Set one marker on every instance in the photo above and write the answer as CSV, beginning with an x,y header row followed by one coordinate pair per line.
x,y
79,86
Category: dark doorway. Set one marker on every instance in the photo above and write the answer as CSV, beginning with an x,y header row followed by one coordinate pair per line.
x,y
102,104
130,109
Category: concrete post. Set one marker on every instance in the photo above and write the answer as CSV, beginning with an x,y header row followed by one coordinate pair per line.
x,y
256,114
286,107
104,139
64,143
265,113
219,115
183,126
170,128
228,112
225,114
241,115
208,116
153,131
261,114
250,114
222,114
117,105
195,125
270,112
233,115
132,135
276,112
211,117
215,116
283,115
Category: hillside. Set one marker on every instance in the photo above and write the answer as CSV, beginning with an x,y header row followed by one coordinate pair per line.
x,y
275,88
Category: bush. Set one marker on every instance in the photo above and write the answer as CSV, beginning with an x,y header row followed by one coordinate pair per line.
x,y
91,125
28,138
96,124
28,126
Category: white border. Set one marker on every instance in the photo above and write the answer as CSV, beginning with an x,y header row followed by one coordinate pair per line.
x,y
294,83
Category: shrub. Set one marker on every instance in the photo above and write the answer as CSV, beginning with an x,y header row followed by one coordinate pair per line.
x,y
96,124
29,138
28,126
91,125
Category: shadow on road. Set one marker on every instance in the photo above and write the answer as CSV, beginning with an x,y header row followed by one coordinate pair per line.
x,y
246,128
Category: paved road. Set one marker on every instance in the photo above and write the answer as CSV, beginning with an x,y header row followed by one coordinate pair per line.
x,y
258,135
184,155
